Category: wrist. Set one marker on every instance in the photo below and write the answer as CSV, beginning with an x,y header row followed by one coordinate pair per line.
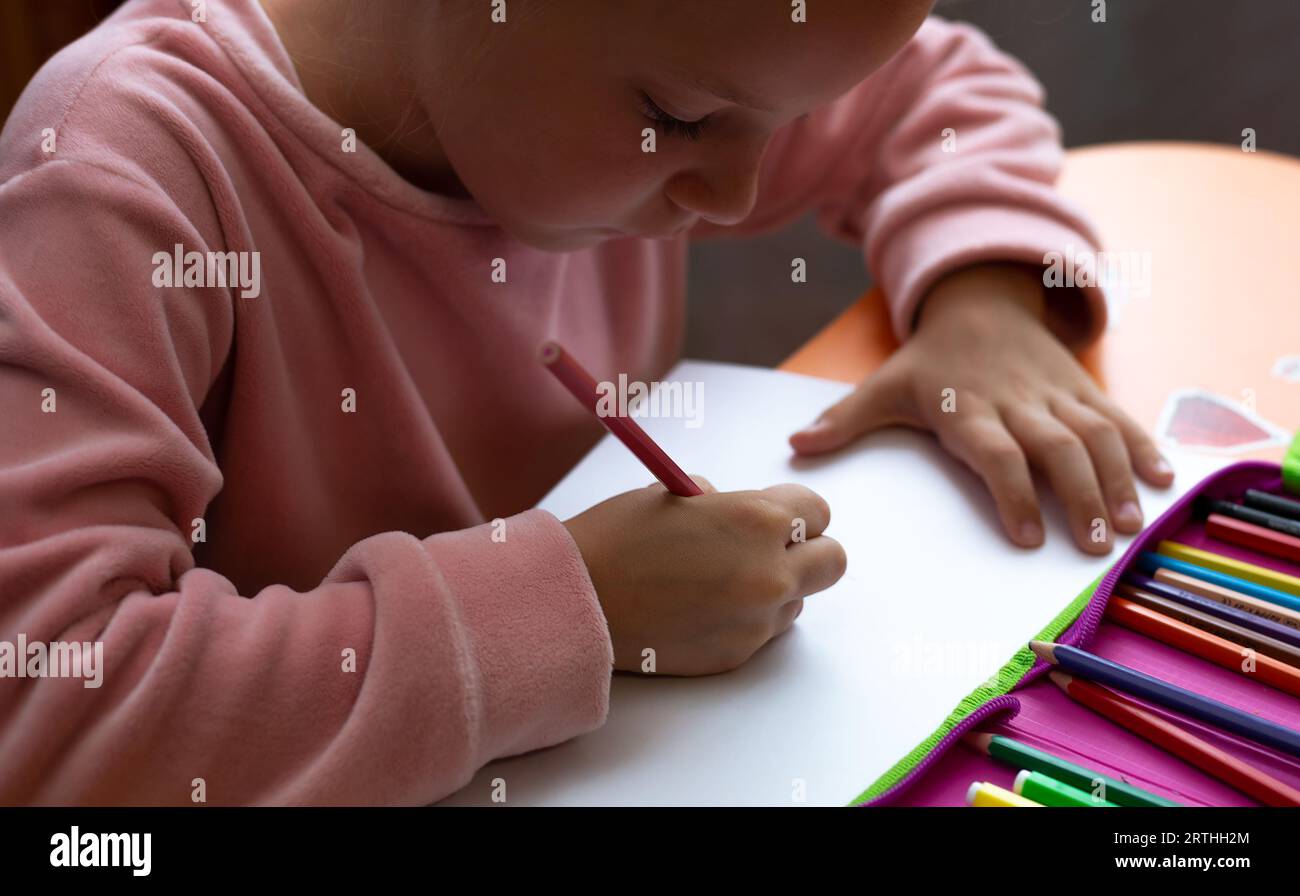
x,y
980,287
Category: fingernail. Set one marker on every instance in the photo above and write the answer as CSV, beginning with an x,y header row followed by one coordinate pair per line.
x,y
1162,468
815,427
1129,515
1031,534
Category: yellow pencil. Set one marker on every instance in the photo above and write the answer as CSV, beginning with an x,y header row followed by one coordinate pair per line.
x,y
982,794
1260,575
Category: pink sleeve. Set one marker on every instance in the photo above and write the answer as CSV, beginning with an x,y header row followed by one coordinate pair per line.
x,y
466,649
874,166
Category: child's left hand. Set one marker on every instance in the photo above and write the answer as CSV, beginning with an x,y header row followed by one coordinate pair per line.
x,y
1020,400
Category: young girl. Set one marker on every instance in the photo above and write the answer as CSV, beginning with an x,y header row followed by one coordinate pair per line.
x,y
263,396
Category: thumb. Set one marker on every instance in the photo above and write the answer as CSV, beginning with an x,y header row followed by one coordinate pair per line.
x,y
704,484
880,401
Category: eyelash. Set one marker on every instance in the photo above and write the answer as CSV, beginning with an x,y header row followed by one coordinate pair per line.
x,y
690,130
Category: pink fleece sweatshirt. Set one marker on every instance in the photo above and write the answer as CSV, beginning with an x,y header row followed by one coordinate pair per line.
x,y
344,627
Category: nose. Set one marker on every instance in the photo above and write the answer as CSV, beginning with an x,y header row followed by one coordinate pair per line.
x,y
723,188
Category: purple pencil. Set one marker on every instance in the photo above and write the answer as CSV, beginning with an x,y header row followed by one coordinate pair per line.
x,y
1237,634
1267,627
1170,696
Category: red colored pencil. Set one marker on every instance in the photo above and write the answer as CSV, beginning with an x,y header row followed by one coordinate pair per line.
x,y
583,385
1198,642
1257,538
1169,737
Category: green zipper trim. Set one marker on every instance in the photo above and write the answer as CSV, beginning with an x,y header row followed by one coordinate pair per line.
x,y
1291,467
1006,679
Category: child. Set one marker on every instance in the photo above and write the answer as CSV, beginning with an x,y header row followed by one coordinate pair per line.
x,y
272,281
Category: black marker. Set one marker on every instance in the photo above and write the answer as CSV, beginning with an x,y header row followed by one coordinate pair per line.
x,y
1273,504
1251,515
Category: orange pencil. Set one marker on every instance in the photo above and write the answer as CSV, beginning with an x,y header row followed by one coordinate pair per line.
x,y
1220,651
1278,649
583,386
1169,737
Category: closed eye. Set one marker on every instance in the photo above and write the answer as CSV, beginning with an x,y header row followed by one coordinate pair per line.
x,y
691,130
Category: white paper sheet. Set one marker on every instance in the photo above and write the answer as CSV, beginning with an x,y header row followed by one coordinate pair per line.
x,y
935,600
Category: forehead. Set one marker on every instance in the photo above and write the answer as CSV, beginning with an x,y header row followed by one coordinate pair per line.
x,y
754,53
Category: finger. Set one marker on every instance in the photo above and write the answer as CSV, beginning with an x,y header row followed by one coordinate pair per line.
x,y
800,503
881,400
705,485
817,564
1146,457
981,441
786,616
1110,460
1053,448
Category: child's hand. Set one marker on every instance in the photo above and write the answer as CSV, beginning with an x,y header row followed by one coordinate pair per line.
x,y
1021,400
704,581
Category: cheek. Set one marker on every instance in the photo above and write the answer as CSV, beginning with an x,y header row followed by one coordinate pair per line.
x,y
536,171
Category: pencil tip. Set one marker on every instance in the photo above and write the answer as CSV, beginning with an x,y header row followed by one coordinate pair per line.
x,y
1060,678
979,741
1044,650
548,352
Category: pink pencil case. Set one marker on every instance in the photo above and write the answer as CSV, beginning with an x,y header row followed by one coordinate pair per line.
x,y
1036,712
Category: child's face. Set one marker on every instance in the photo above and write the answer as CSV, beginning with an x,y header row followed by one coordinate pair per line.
x,y
544,126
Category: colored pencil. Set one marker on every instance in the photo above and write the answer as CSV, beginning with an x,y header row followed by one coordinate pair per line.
x,y
1273,504
1251,637
1291,467
1048,791
1229,566
982,794
1186,746
1251,515
1207,645
1010,751
1170,696
1231,600
1149,563
574,377
1257,538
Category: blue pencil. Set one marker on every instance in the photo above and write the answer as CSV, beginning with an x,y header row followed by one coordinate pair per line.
x,y
1275,630
1149,562
1170,696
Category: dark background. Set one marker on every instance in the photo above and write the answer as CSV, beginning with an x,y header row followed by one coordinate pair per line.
x,y
1155,70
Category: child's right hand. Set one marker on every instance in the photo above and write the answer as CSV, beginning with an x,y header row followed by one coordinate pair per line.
x,y
704,581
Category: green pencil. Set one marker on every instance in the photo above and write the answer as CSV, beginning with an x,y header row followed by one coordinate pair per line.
x,y
1291,467
1040,788
1013,752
